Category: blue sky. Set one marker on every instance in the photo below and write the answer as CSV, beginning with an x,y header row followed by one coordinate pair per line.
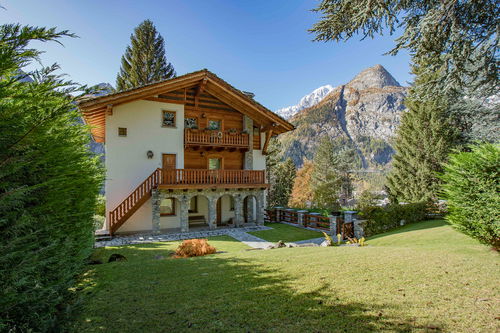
x,y
258,46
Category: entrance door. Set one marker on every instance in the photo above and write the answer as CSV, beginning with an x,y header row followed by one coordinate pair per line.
x,y
169,163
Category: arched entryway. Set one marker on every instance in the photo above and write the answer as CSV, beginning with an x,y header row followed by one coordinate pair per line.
x,y
250,209
198,212
225,210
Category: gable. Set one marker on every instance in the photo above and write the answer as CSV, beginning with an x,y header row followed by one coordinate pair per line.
x,y
197,91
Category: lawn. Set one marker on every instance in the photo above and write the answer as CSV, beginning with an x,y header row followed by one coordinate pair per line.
x,y
285,233
421,278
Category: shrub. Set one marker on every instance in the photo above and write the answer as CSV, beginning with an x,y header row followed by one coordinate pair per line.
x,y
382,219
48,186
194,248
100,208
471,187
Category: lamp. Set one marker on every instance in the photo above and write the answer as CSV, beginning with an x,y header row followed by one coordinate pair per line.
x,y
150,154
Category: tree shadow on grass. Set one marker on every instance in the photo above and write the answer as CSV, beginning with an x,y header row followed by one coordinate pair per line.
x,y
219,294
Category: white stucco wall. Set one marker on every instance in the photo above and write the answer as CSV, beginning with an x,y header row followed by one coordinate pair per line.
x,y
127,165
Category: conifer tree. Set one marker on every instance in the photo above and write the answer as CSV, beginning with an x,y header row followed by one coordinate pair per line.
x,y
282,183
423,141
302,194
331,179
144,60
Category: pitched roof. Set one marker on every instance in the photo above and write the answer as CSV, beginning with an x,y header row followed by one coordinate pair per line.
x,y
94,109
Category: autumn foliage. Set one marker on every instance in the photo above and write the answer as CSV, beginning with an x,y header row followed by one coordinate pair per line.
x,y
301,192
194,248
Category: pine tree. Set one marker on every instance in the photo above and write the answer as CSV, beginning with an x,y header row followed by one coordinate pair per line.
x,y
331,181
281,186
424,139
302,194
461,36
144,60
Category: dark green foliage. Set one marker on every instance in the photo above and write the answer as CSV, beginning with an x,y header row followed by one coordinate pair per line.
x,y
382,219
331,181
472,190
461,36
144,60
283,177
422,144
48,186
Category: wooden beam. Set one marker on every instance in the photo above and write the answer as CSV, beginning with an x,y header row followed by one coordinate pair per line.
x,y
269,127
163,100
269,133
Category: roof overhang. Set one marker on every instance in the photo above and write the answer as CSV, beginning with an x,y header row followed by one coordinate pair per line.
x,y
94,110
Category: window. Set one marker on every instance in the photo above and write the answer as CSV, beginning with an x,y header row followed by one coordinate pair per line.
x,y
193,205
191,123
215,125
122,131
168,119
167,207
215,163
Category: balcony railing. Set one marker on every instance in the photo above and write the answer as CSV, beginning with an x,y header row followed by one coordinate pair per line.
x,y
196,137
203,177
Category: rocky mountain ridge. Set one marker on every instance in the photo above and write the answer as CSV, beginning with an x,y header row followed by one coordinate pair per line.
x,y
363,114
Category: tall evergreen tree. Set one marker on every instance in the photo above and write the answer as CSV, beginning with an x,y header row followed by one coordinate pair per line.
x,y
330,178
144,60
423,141
281,187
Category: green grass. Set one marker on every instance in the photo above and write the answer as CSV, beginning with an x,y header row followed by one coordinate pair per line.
x,y
286,233
424,277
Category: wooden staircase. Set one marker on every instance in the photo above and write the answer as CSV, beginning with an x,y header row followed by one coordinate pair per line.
x,y
133,202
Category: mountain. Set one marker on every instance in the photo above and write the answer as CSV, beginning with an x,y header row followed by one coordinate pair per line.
x,y
307,101
363,114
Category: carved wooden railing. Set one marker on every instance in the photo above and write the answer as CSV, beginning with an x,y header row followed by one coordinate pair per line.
x,y
136,199
215,138
212,177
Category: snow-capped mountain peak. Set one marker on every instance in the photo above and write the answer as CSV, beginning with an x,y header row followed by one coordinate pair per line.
x,y
305,102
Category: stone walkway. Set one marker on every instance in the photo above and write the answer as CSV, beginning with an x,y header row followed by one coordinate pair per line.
x,y
251,240
237,233
314,241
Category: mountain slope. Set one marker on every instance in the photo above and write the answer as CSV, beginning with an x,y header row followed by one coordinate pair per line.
x,y
307,101
363,114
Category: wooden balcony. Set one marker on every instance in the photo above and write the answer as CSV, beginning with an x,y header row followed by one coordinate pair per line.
x,y
209,139
202,178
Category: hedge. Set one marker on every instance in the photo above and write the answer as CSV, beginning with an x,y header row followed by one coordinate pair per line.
x,y
382,219
472,189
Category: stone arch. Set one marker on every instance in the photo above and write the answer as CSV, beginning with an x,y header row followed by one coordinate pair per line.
x,y
250,208
226,209
198,210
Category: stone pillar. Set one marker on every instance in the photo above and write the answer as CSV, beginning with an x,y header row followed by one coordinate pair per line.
x,y
301,216
358,228
238,210
248,127
184,213
349,216
260,207
250,206
333,225
212,212
155,203
278,213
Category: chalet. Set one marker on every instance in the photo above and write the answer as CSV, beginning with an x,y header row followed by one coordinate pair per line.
x,y
183,154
